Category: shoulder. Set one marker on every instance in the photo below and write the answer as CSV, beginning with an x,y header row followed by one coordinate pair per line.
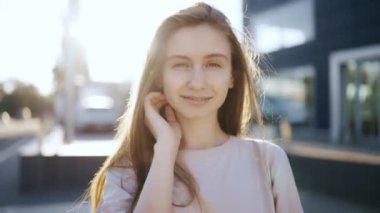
x,y
262,145
270,152
118,190
121,175
120,168
119,172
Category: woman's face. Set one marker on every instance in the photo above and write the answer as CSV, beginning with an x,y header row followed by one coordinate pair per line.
x,y
197,72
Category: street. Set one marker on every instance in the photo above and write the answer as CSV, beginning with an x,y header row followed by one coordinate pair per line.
x,y
70,201
100,144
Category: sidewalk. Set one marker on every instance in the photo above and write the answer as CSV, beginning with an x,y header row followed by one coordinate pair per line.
x,y
69,202
65,201
333,152
313,202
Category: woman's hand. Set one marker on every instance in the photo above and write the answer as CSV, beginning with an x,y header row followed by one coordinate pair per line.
x,y
167,131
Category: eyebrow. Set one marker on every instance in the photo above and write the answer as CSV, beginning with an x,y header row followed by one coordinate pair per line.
x,y
219,55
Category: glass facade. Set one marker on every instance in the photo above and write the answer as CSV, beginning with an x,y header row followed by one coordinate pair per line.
x,y
361,102
284,26
289,95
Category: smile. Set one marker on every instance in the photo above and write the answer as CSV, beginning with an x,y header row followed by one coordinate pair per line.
x,y
196,100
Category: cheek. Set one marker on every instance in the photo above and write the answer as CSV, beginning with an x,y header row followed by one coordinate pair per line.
x,y
224,86
224,81
168,81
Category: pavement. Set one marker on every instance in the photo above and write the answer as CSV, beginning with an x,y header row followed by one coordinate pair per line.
x,y
65,201
69,200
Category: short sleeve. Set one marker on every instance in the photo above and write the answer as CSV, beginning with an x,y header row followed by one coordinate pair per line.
x,y
284,189
118,190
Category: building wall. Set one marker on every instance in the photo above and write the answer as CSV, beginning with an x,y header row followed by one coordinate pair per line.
x,y
339,24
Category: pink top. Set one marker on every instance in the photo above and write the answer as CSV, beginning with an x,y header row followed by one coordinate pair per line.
x,y
239,176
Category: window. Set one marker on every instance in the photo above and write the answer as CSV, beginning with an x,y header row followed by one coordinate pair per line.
x,y
289,96
355,95
361,102
285,26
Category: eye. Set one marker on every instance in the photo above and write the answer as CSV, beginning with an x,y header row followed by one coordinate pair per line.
x,y
213,65
181,65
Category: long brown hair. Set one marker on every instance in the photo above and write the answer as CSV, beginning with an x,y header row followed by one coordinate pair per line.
x,y
239,109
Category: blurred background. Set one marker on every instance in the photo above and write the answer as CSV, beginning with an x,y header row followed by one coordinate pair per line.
x,y
67,66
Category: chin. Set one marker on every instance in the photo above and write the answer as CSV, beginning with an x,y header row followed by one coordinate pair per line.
x,y
196,114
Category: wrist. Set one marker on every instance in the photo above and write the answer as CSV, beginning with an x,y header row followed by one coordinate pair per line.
x,y
165,149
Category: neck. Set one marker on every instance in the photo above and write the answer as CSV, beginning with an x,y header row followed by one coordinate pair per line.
x,y
201,133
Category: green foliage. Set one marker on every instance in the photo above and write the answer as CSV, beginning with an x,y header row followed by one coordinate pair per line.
x,y
24,96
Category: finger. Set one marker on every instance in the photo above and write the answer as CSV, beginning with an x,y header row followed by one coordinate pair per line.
x,y
152,99
156,99
169,114
159,104
154,95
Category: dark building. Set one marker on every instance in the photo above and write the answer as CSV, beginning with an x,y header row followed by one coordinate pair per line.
x,y
326,57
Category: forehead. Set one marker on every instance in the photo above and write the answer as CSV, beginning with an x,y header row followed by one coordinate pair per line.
x,y
198,40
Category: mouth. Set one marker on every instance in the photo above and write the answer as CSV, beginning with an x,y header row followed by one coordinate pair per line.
x,y
196,100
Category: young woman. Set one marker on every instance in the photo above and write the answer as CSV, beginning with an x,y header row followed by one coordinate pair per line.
x,y
182,139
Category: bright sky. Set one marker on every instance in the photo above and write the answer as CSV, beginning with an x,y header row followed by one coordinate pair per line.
x,y
115,34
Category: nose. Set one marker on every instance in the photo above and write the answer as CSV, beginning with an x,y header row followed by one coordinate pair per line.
x,y
197,79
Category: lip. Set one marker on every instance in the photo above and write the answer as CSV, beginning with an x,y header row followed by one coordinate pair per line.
x,y
196,100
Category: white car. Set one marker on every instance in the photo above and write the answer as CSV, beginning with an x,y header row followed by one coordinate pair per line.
x,y
98,108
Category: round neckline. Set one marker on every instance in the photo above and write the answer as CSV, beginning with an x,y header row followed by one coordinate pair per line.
x,y
207,150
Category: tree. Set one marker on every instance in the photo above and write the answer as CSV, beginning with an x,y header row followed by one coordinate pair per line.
x,y
24,96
